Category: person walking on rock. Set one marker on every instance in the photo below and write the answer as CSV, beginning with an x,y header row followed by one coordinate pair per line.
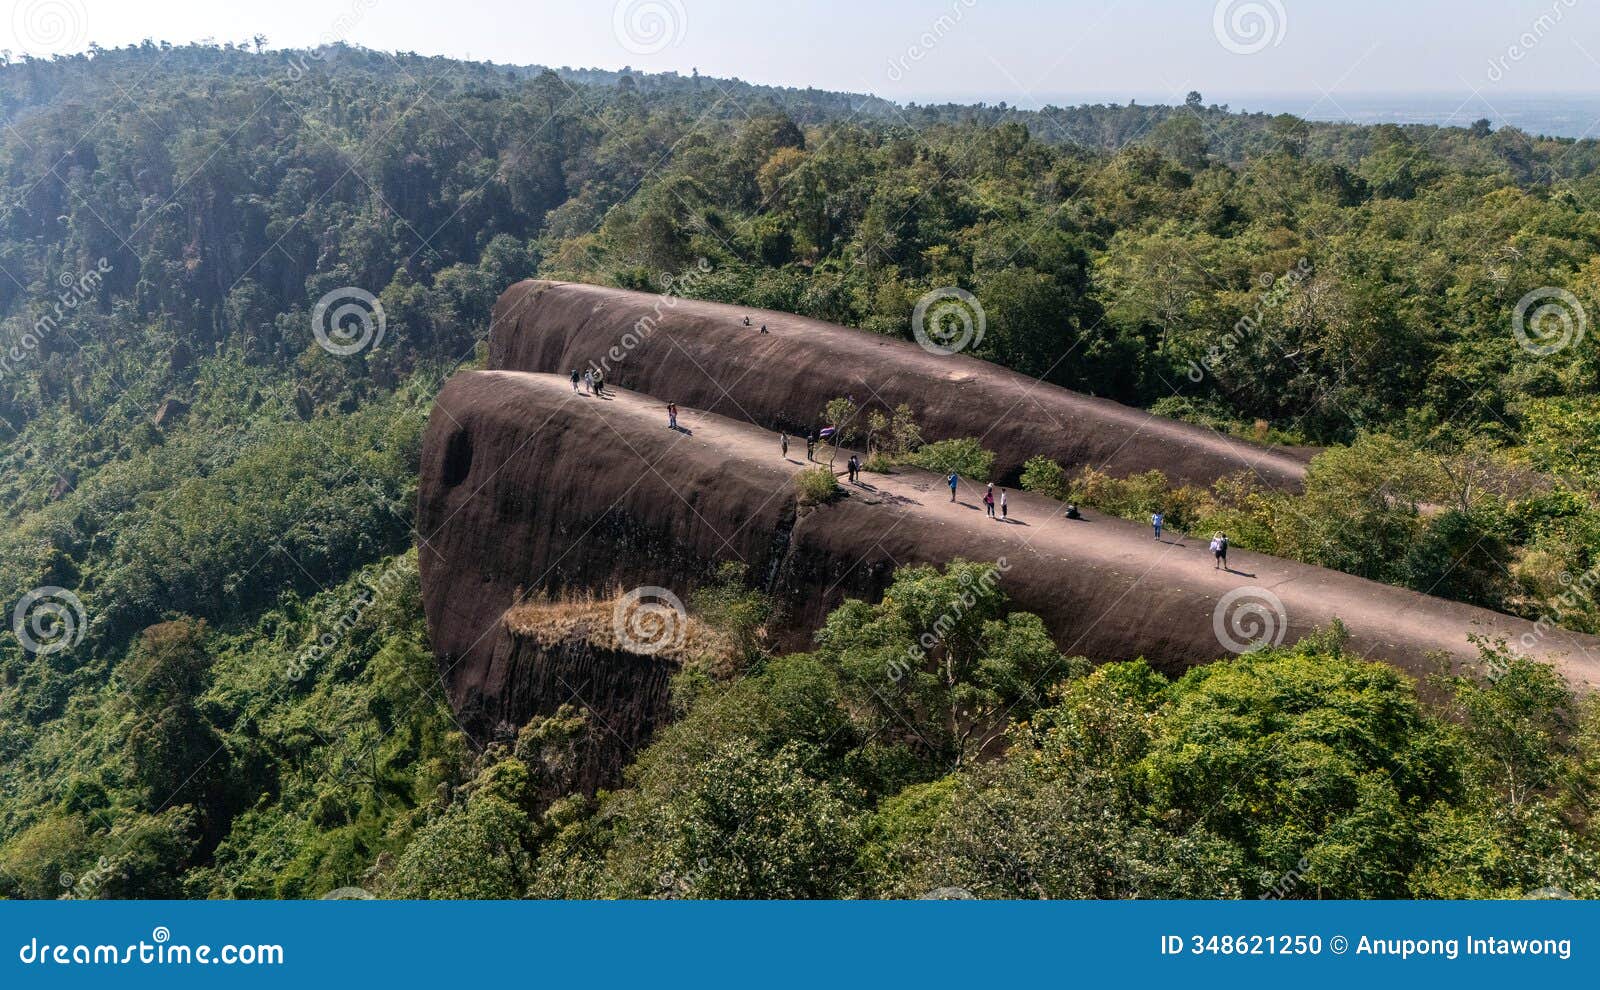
x,y
811,445
588,382
952,481
574,381
988,500
672,415
1003,516
1156,521
600,383
1219,550
783,444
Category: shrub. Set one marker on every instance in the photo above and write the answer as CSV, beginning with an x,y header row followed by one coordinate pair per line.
x,y
1044,476
964,456
816,485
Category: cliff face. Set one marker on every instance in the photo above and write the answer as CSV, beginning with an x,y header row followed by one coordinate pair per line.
x,y
622,694
701,354
526,486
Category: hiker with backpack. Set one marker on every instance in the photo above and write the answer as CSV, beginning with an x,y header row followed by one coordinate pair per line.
x,y
1219,550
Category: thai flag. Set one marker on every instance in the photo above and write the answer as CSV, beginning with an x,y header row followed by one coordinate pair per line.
x,y
827,431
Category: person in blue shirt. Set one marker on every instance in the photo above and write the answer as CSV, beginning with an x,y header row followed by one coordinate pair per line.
x,y
1156,521
952,481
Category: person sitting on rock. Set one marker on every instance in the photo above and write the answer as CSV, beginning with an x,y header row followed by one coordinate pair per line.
x,y
747,321
1072,511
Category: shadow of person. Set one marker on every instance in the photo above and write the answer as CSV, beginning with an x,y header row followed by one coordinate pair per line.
x,y
1013,522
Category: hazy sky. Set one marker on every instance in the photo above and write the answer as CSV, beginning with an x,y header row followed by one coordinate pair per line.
x,y
1024,52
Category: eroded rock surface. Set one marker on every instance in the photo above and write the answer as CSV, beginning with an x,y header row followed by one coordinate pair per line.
x,y
527,487
701,354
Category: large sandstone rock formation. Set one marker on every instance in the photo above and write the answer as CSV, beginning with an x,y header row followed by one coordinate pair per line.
x,y
526,486
701,354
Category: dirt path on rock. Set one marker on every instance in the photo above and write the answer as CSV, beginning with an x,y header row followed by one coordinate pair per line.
x,y
1385,621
